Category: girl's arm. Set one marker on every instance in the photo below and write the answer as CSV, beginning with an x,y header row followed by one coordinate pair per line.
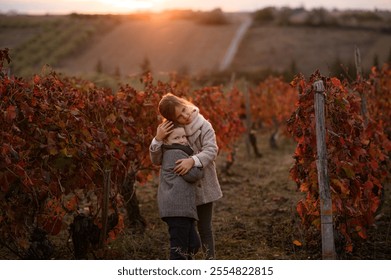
x,y
207,155
170,158
155,151
194,174
209,148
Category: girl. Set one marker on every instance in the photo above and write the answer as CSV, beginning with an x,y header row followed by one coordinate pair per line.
x,y
202,140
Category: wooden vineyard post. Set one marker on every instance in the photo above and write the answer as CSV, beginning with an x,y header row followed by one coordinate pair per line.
x,y
248,119
105,206
327,231
364,110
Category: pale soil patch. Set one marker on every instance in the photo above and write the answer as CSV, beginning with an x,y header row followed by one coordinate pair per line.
x,y
169,45
310,48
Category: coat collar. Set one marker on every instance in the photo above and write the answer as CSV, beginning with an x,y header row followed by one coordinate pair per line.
x,y
184,148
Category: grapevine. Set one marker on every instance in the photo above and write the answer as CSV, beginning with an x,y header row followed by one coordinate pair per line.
x,y
61,135
355,156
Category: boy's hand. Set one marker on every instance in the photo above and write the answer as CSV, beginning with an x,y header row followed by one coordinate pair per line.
x,y
164,129
183,166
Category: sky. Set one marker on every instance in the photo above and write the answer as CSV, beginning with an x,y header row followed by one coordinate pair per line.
x,y
129,6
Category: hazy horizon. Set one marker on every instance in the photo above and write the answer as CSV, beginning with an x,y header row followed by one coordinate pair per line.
x,y
129,6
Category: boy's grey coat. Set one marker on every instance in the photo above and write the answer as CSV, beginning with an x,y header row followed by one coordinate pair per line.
x,y
176,194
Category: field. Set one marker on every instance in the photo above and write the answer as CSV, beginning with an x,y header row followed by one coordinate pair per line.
x,y
179,45
121,47
309,48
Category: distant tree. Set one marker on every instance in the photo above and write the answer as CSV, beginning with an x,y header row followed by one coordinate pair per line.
x,y
214,17
265,15
320,17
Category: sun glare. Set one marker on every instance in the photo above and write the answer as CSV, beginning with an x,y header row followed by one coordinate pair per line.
x,y
132,5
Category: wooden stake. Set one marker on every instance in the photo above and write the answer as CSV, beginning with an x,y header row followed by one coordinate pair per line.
x,y
327,231
105,206
364,110
248,118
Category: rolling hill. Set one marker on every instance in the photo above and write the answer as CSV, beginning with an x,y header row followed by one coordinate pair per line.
x,y
182,44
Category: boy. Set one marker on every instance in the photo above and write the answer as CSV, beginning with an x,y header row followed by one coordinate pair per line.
x,y
176,196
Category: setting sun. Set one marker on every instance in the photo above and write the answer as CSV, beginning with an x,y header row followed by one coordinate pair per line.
x,y
132,5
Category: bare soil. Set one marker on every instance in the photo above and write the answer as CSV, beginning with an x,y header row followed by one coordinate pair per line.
x,y
169,45
278,47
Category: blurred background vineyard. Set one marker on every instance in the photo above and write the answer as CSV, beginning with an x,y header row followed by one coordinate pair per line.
x,y
109,49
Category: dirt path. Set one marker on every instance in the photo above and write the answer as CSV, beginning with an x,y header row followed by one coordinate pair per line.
x,y
233,47
258,197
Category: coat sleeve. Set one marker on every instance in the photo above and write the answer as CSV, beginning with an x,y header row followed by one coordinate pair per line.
x,y
193,175
171,156
155,153
209,148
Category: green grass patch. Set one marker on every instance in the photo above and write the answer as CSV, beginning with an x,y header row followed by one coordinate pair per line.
x,y
55,38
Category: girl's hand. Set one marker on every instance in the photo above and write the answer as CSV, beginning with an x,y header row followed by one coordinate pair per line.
x,y
164,129
183,166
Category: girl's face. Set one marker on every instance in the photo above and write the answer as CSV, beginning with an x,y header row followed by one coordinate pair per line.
x,y
184,114
177,136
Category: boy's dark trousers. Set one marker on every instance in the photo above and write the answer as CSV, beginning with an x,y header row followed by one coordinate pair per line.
x,y
184,239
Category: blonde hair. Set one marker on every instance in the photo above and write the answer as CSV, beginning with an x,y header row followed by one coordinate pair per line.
x,y
168,103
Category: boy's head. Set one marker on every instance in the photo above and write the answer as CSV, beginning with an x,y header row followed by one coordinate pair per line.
x,y
177,136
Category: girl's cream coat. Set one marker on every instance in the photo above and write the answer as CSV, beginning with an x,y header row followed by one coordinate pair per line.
x,y
202,139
